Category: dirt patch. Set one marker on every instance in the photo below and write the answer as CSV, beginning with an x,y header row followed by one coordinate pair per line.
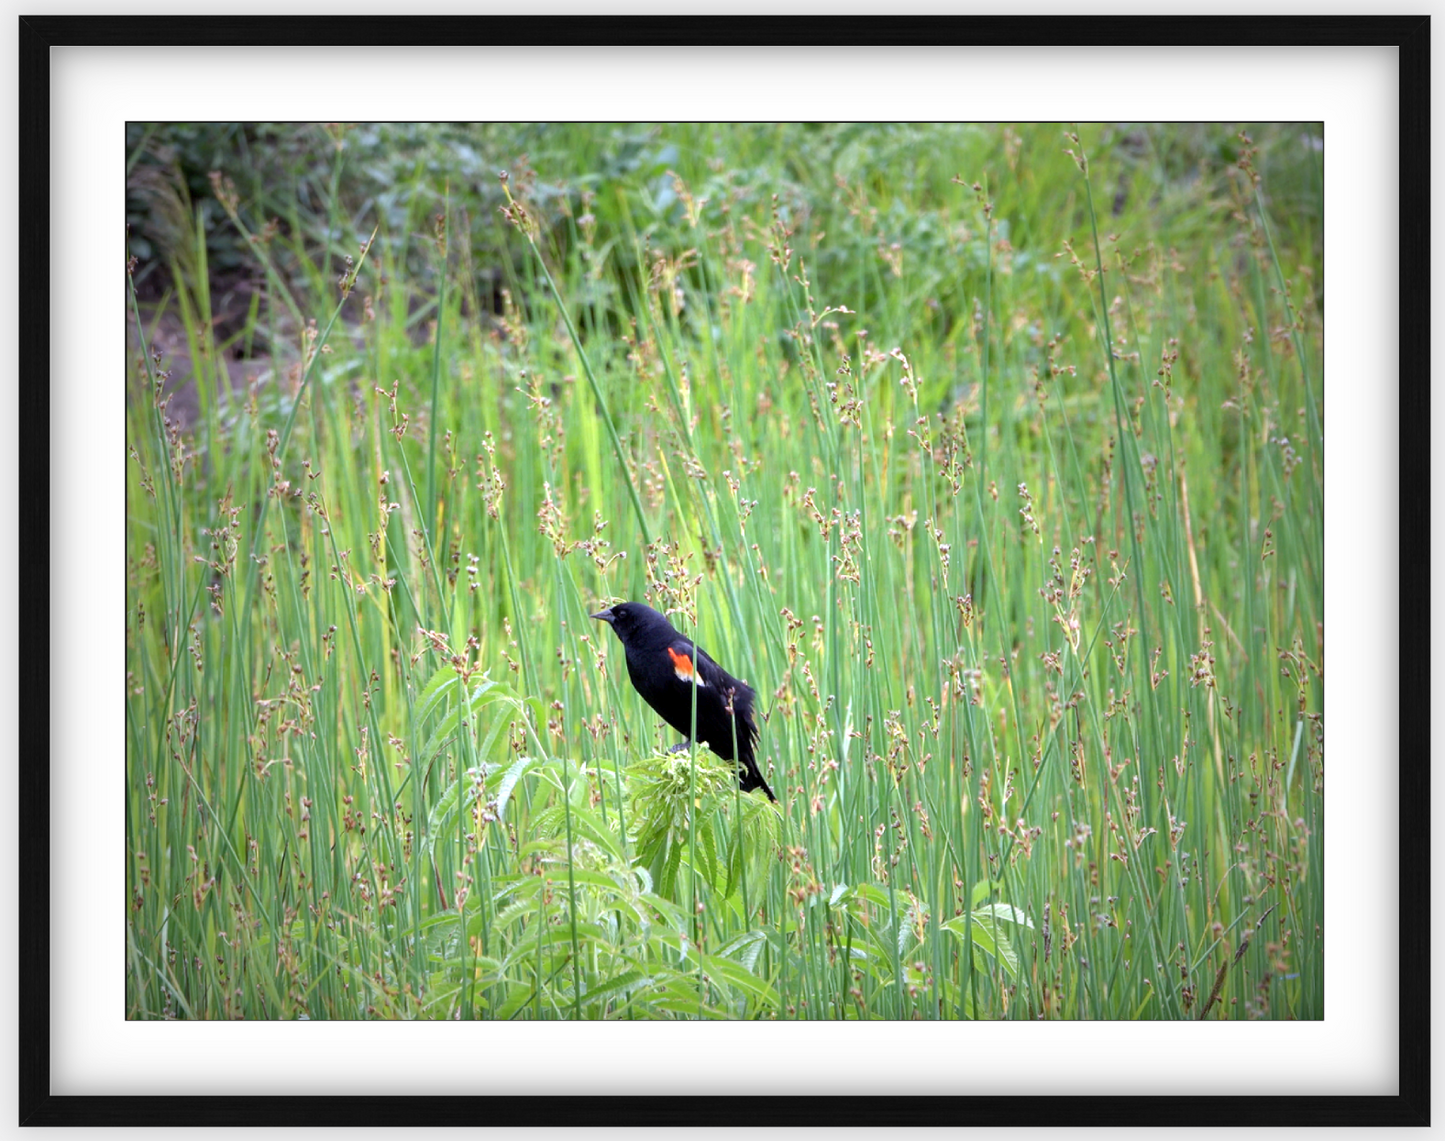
x,y
166,334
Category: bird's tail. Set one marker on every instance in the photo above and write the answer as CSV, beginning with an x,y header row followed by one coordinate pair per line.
x,y
749,775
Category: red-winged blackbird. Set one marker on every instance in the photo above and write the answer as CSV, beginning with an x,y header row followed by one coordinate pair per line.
x,y
659,661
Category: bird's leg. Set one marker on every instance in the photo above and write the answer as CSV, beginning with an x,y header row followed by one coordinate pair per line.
x,y
682,748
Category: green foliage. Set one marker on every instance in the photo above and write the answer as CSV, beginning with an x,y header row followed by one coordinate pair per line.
x,y
680,803
990,457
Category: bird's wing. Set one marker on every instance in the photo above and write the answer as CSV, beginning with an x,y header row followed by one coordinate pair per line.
x,y
681,652
709,675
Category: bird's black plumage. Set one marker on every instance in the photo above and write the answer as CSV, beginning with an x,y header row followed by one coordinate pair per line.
x,y
660,663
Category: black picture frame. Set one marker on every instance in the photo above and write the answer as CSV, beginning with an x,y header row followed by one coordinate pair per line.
x,y
38,34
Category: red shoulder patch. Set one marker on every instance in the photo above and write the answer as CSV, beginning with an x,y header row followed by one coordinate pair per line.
x,y
682,665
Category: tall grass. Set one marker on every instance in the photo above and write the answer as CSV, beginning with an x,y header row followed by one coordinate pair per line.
x,y
990,457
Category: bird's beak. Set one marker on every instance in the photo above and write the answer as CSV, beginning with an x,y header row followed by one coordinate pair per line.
x,y
605,616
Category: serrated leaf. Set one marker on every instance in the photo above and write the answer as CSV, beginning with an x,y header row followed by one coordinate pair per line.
x,y
984,930
745,947
608,988
509,782
517,997
597,880
589,824
667,881
1008,913
735,974
434,693
1006,953
706,847
439,736
876,896
485,691
441,813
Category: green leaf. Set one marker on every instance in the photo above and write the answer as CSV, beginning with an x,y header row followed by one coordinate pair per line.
x,y
877,896
485,692
667,881
983,928
509,782
517,997
981,891
434,693
590,825
745,947
603,991
707,853
1008,913
441,815
735,974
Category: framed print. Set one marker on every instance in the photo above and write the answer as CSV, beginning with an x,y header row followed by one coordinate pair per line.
x,y
704,521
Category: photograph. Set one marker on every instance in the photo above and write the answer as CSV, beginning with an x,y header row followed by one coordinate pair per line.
x,y
847,571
